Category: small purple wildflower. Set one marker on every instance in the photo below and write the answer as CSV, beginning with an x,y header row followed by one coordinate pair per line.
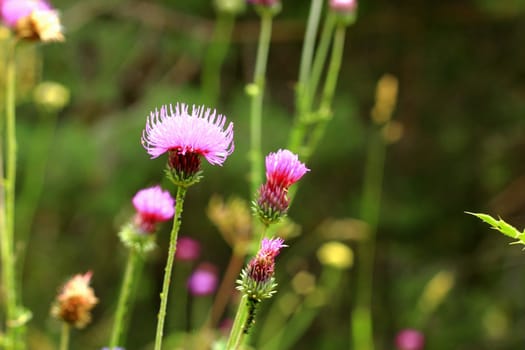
x,y
188,249
343,5
201,132
203,281
283,168
153,205
410,339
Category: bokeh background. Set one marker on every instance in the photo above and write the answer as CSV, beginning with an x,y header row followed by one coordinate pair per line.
x,y
461,102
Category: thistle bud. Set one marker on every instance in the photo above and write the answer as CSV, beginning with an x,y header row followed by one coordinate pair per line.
x,y
257,279
74,303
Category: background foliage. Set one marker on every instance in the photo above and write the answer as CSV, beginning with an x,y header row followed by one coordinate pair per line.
x,y
462,105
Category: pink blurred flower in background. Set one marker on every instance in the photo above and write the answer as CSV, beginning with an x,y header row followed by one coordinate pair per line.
x,y
203,281
410,339
153,205
188,249
343,5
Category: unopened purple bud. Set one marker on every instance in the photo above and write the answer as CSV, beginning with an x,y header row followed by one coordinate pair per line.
x,y
188,249
203,281
410,339
272,203
257,279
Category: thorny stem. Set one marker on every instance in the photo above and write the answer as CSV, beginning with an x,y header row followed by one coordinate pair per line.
x,y
237,331
181,193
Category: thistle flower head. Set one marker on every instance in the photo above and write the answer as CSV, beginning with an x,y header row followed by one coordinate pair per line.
x,y
201,132
203,281
74,303
283,168
257,279
153,205
32,19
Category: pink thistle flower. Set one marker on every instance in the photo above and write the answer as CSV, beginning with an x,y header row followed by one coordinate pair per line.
x,y
283,168
410,339
188,249
203,281
343,5
74,303
201,132
257,279
14,10
32,19
153,205
271,247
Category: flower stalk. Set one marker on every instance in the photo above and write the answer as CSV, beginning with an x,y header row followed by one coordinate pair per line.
x,y
124,298
256,93
8,208
181,193
64,336
214,59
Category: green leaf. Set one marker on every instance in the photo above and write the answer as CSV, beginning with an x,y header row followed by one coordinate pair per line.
x,y
500,225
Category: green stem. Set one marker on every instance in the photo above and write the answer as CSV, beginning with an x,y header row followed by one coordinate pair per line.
x,y
64,337
325,112
215,56
237,331
309,41
257,100
37,160
124,299
306,99
8,201
181,193
361,322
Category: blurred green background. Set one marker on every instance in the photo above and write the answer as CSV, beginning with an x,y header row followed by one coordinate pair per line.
x,y
461,101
